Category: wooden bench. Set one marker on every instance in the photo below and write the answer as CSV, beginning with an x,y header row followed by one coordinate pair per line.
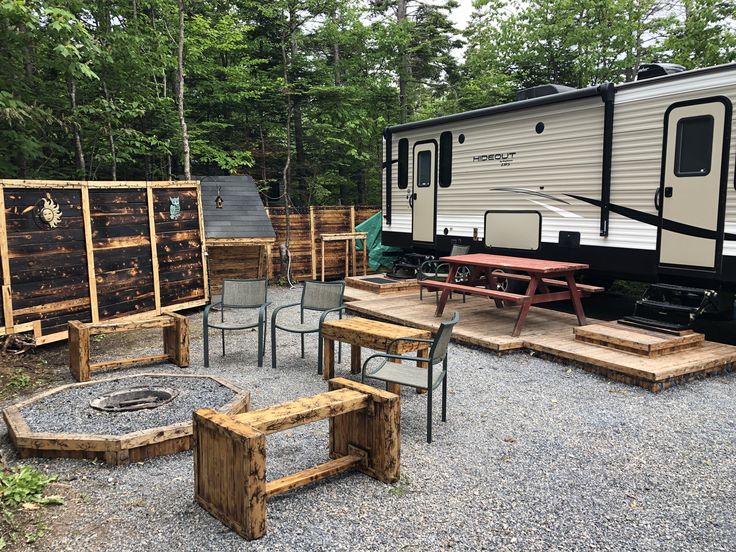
x,y
494,294
230,451
584,288
175,336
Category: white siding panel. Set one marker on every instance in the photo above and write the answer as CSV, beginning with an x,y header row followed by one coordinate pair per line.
x,y
637,143
564,159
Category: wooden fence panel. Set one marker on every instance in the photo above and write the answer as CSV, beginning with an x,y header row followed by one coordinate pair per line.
x,y
97,250
305,232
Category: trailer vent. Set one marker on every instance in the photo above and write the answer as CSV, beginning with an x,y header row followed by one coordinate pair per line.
x,y
542,90
651,70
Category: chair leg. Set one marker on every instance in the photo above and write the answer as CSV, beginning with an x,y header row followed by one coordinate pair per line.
x,y
302,336
206,336
429,414
263,340
444,390
463,297
320,353
260,345
444,398
421,289
339,343
223,342
273,346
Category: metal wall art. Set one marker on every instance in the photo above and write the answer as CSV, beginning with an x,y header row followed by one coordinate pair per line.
x,y
174,208
47,212
218,200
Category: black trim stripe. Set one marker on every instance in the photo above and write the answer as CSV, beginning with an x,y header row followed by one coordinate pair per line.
x,y
669,225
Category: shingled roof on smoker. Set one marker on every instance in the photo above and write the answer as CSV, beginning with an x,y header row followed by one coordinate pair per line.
x,y
242,214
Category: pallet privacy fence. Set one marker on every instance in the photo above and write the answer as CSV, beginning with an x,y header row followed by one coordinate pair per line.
x,y
307,226
175,335
230,451
92,251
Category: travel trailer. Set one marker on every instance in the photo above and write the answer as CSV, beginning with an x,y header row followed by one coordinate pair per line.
x,y
637,179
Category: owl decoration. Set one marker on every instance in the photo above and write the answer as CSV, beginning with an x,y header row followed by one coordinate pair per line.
x,y
174,208
48,212
219,202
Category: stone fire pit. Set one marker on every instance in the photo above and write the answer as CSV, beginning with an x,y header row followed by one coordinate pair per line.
x,y
118,420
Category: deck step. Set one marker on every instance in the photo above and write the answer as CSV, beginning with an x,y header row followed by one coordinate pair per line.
x,y
643,342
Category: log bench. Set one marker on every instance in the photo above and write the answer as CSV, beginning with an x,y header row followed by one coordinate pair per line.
x,y
230,451
175,337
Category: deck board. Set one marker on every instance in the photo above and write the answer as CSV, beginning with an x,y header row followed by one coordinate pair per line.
x,y
550,333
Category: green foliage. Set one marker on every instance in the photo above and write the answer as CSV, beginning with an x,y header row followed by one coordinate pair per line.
x,y
87,87
24,484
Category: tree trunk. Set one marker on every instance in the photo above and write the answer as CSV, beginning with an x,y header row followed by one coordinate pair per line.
x,y
72,89
404,65
169,168
111,138
301,186
286,175
180,97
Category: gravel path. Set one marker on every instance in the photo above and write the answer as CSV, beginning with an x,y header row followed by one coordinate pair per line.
x,y
535,456
69,411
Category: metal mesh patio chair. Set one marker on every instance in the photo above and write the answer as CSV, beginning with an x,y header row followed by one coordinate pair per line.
x,y
324,297
413,374
434,269
239,295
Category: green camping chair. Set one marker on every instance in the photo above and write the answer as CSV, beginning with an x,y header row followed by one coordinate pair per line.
x,y
238,294
325,297
412,374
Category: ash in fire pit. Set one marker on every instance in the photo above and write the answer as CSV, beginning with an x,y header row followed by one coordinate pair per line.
x,y
134,398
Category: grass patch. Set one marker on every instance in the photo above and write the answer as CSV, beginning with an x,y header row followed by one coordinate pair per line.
x,y
22,496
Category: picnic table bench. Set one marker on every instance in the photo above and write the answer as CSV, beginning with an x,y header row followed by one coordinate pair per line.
x,y
489,270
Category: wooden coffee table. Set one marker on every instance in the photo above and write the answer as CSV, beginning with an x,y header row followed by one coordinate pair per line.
x,y
362,332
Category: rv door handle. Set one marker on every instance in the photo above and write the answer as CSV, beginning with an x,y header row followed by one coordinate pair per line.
x,y
412,197
668,191
657,197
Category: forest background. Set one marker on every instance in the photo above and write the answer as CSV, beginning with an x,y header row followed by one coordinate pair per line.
x,y
297,93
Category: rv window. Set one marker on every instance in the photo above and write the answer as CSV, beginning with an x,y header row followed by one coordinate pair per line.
x,y
403,162
694,146
445,177
424,169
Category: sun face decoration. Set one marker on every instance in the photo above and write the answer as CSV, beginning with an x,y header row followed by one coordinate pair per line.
x,y
49,212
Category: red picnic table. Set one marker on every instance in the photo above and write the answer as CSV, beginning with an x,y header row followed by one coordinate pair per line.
x,y
488,270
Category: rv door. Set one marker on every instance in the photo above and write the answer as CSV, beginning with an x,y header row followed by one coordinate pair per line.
x,y
422,197
693,184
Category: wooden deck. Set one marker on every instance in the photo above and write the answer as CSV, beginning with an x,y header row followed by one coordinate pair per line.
x,y
552,334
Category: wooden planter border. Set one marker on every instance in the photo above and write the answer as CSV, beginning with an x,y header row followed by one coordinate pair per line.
x,y
112,449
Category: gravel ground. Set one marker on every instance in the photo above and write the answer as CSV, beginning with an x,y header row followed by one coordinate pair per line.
x,y
69,411
535,455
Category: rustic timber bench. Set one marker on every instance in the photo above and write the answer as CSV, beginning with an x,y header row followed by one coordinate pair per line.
x,y
230,451
176,342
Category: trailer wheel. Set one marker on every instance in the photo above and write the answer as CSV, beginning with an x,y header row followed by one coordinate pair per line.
x,y
510,286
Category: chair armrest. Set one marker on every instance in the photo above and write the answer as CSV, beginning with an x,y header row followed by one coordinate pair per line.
x,y
278,309
435,264
208,308
329,311
393,357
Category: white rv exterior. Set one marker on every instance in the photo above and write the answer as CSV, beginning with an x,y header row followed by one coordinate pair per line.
x,y
637,179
